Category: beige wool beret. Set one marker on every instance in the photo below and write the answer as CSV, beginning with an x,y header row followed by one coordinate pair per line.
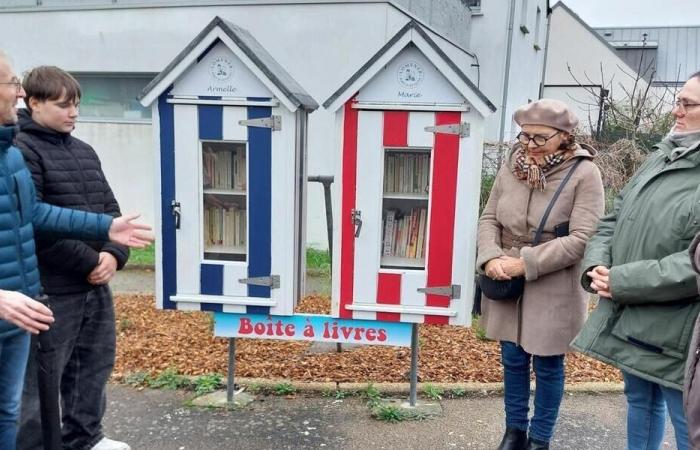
x,y
549,112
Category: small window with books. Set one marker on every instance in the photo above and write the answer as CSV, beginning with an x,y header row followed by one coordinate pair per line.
x,y
405,207
224,200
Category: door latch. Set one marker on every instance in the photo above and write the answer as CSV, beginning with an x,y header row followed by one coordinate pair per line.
x,y
175,207
453,291
356,215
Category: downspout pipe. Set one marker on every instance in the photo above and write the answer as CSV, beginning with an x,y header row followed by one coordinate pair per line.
x,y
506,77
546,51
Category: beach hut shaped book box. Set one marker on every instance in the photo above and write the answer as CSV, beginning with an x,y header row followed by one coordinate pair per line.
x,y
230,131
410,126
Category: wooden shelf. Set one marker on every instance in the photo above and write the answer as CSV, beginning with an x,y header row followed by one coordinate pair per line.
x,y
396,261
235,192
405,196
235,250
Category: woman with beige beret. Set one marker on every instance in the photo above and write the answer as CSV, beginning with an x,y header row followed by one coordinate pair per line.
x,y
551,309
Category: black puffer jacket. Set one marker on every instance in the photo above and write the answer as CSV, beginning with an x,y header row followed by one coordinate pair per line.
x,y
68,173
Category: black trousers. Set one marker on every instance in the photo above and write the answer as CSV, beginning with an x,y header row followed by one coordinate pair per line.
x,y
85,343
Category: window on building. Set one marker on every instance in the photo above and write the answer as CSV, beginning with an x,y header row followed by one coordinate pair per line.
x,y
474,4
112,97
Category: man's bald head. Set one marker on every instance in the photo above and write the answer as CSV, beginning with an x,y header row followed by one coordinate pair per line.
x,y
10,91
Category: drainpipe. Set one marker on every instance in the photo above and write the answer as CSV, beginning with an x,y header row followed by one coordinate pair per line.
x,y
506,78
546,49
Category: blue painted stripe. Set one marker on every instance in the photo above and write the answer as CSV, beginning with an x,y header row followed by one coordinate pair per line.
x,y
211,277
260,201
211,122
166,117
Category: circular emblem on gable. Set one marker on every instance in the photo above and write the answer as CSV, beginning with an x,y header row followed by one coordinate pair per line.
x,y
410,74
221,69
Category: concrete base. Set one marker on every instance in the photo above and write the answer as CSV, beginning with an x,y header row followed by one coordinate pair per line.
x,y
218,400
330,347
422,409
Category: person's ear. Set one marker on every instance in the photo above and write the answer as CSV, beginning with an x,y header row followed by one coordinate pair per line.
x,y
34,104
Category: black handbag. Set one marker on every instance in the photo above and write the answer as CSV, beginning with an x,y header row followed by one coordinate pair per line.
x,y
513,289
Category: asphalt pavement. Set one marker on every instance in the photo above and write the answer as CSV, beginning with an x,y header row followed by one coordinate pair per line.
x,y
160,420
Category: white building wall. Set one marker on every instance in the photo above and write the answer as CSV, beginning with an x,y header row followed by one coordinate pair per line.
x,y
578,56
489,40
321,45
126,152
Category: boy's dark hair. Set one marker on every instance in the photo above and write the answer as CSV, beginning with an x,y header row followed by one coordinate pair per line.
x,y
50,83
695,75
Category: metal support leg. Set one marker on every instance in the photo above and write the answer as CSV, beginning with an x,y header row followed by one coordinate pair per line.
x,y
326,181
231,369
414,364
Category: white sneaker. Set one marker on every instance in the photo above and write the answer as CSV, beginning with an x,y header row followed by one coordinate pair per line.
x,y
109,444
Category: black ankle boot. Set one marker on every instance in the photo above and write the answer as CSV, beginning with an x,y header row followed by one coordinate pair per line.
x,y
533,444
513,439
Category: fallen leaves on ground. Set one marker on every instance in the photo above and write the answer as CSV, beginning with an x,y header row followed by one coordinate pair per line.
x,y
151,340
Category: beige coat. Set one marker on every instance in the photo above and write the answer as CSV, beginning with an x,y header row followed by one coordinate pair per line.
x,y
554,305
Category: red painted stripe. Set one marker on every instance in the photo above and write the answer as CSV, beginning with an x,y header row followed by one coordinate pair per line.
x,y
395,129
347,229
389,293
443,195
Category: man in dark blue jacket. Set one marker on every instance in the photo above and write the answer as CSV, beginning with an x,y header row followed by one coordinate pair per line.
x,y
20,215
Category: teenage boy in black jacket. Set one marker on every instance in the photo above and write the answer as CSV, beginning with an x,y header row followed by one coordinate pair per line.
x,y
68,173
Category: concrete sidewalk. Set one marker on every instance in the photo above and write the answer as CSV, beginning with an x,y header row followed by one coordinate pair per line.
x,y
158,420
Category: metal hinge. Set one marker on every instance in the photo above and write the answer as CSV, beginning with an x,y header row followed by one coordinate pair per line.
x,y
273,281
462,129
453,291
274,122
356,217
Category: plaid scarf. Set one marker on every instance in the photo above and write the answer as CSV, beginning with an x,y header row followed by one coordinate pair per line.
x,y
526,168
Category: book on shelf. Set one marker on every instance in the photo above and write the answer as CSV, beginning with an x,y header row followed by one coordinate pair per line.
x,y
404,233
406,173
224,226
224,169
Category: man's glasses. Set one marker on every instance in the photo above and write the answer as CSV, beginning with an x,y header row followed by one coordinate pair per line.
x,y
14,82
684,106
538,139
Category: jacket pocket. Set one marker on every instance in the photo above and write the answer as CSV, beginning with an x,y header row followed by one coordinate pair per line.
x,y
664,329
23,190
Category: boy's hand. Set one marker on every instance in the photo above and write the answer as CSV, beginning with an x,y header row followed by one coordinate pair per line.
x,y
104,270
127,232
24,312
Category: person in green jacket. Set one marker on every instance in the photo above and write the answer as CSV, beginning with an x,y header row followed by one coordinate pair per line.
x,y
638,263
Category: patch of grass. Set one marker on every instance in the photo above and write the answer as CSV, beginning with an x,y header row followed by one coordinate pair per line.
x,y
433,392
138,379
457,392
255,388
283,389
124,324
169,379
389,413
318,260
143,256
373,396
205,384
479,332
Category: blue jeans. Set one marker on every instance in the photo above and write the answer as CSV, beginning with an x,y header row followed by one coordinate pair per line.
x,y
14,350
549,390
646,414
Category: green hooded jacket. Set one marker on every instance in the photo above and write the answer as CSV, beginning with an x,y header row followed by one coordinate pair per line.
x,y
645,329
